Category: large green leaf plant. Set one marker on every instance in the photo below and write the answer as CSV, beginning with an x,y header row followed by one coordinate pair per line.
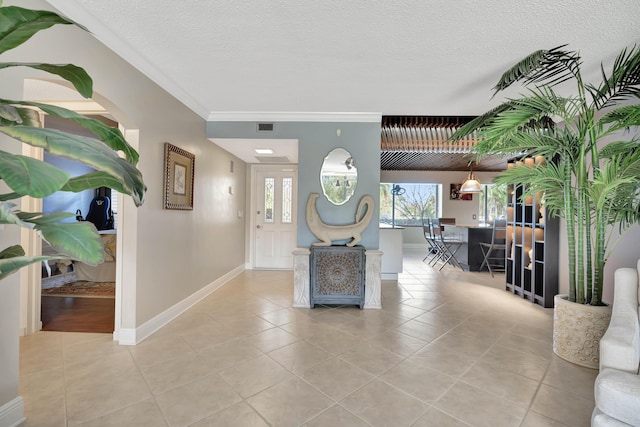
x,y
592,174
26,176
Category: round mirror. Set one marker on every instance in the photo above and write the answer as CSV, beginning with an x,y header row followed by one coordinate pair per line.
x,y
339,176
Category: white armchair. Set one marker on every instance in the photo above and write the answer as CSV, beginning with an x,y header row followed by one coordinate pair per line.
x,y
617,387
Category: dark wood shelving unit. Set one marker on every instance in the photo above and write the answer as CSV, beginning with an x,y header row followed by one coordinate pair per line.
x,y
532,245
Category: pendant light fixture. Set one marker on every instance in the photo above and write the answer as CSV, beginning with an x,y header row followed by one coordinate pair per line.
x,y
471,184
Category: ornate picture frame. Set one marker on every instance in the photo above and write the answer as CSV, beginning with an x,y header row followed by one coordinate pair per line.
x,y
179,173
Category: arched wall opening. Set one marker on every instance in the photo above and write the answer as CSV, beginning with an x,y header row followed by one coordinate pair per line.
x,y
61,93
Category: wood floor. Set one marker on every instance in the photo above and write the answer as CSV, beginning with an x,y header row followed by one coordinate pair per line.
x,y
69,314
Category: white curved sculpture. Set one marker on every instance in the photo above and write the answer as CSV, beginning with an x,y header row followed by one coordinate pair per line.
x,y
328,233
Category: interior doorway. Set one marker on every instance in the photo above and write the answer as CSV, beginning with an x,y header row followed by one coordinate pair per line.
x,y
122,314
274,216
77,297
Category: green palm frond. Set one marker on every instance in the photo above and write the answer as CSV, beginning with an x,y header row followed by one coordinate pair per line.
x,y
543,178
622,118
614,191
623,83
479,122
550,67
590,181
620,148
524,124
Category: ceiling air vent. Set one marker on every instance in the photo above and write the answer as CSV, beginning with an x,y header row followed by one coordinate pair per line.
x,y
265,127
273,159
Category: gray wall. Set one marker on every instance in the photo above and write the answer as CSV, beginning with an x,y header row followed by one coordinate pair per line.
x,y
315,140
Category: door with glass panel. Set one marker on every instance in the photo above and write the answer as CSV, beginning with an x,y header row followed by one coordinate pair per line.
x,y
275,217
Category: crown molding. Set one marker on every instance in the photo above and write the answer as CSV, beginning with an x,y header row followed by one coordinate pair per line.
x,y
111,40
293,116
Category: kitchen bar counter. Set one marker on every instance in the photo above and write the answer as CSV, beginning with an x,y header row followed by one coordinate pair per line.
x,y
391,243
470,255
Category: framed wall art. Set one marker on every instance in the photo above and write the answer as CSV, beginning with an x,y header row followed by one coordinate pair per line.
x,y
455,194
178,178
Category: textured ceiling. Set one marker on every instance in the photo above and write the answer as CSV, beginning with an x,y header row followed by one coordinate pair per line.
x,y
419,57
391,57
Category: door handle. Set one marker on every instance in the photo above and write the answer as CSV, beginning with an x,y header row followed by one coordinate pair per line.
x,y
259,227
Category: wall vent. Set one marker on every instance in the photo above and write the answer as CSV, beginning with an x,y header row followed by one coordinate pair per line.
x,y
265,127
273,159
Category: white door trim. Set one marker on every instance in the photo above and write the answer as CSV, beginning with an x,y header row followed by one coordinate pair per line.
x,y
253,205
31,278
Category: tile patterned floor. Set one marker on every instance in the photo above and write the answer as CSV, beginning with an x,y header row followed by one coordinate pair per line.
x,y
447,349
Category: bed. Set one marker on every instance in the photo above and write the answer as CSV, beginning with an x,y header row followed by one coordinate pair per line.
x,y
105,272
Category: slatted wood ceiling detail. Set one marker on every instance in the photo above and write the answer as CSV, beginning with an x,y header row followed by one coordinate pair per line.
x,y
422,143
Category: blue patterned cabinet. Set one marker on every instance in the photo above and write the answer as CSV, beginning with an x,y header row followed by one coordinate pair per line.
x,y
337,275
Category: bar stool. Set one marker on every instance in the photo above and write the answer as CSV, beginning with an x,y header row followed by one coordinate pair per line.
x,y
432,247
498,244
447,248
448,221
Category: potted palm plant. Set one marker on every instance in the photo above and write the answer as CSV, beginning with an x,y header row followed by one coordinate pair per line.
x,y
591,178
26,176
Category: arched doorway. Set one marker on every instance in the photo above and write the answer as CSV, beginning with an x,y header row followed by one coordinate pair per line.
x,y
60,93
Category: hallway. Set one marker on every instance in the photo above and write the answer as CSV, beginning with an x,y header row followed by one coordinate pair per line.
x,y
447,349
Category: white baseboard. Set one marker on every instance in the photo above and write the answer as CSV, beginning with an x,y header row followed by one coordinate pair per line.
x,y
125,336
134,336
12,413
389,276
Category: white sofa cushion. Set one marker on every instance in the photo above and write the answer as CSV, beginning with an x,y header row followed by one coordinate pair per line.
x,y
620,345
598,419
618,395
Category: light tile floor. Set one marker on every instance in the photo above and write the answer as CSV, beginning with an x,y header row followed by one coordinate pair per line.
x,y
447,349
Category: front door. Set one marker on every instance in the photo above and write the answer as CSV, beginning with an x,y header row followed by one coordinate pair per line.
x,y
275,216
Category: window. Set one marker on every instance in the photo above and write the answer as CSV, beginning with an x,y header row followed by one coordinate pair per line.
x,y
114,207
493,202
269,190
287,200
409,204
